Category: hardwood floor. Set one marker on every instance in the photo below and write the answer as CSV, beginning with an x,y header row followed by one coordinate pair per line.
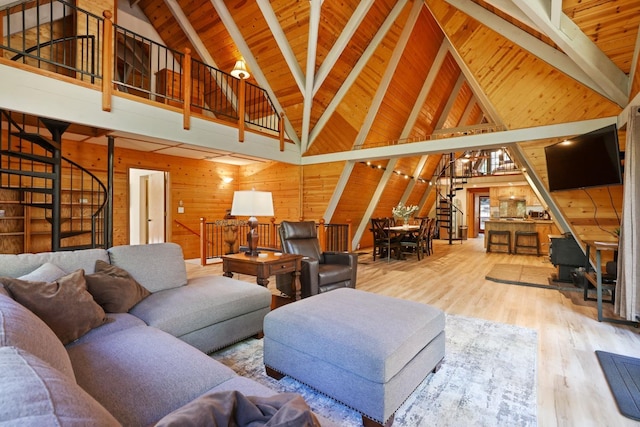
x,y
572,390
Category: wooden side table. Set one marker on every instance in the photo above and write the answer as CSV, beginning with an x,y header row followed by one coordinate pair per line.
x,y
264,267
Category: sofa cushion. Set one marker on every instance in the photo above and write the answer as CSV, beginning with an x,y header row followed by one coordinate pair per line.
x,y
157,266
141,374
114,288
204,301
68,261
47,272
35,394
64,305
115,322
21,328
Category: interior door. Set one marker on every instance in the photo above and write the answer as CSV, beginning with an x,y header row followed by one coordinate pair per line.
x,y
155,208
485,211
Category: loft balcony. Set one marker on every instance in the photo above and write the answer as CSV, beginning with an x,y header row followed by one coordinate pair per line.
x,y
59,40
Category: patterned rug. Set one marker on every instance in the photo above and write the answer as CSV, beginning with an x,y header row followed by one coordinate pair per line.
x,y
488,378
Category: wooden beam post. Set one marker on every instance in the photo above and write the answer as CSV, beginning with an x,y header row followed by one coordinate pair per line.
x,y
107,61
186,89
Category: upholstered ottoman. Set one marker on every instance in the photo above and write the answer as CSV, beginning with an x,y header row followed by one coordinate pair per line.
x,y
365,350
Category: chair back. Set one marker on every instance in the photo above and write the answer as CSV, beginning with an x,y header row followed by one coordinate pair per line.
x,y
300,238
379,228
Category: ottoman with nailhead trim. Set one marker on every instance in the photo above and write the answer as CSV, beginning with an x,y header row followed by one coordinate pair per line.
x,y
365,350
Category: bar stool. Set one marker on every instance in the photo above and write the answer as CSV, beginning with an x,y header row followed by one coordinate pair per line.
x,y
493,242
523,241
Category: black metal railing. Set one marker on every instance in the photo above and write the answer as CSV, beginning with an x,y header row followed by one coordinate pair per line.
x,y
59,37
56,36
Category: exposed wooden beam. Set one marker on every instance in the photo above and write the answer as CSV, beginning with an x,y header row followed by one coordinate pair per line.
x,y
550,55
555,12
392,64
340,44
461,143
282,42
337,192
355,71
197,44
568,36
312,47
242,46
386,175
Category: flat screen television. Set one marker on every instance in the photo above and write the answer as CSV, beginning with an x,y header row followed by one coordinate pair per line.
x,y
588,160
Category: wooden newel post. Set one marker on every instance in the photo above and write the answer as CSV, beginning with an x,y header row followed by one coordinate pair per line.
x,y
273,233
241,99
203,241
281,131
107,61
186,89
349,242
322,235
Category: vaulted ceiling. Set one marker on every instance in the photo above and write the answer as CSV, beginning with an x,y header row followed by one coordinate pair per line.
x,y
354,74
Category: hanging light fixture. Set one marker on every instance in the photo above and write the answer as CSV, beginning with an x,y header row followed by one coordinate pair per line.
x,y
240,70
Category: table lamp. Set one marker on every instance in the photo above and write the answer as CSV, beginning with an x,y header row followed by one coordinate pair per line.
x,y
252,203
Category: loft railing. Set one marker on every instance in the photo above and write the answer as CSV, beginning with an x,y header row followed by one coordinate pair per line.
x,y
56,36
225,236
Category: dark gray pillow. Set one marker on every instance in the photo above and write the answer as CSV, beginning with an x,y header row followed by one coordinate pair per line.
x,y
114,289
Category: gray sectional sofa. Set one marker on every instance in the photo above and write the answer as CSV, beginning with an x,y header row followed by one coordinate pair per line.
x,y
133,368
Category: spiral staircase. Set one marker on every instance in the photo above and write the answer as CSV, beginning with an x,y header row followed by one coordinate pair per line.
x,y
66,202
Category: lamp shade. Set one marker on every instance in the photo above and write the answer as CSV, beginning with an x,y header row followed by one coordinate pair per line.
x,y
252,203
240,70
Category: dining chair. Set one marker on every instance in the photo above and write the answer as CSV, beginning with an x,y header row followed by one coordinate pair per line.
x,y
431,235
383,242
417,242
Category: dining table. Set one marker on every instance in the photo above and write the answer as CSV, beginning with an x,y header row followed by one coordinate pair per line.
x,y
399,232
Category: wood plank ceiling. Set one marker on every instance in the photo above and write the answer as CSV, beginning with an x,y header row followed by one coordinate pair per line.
x,y
352,74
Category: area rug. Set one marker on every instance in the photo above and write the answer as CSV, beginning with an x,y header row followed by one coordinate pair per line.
x,y
527,275
623,376
488,378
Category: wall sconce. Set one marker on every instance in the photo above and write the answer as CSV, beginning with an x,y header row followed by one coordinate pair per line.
x,y
227,179
240,70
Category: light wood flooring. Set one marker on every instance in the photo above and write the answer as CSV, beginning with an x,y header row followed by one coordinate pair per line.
x,y
571,390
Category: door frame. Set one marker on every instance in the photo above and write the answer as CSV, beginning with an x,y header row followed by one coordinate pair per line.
x,y
473,209
135,176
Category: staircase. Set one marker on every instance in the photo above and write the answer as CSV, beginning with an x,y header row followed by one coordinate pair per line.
x,y
67,201
449,180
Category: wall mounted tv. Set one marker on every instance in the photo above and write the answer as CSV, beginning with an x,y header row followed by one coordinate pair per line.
x,y
588,160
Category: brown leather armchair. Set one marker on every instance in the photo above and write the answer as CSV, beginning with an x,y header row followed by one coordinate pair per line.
x,y
321,271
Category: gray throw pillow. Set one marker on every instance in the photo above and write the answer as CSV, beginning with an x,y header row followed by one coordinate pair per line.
x,y
64,305
47,272
114,289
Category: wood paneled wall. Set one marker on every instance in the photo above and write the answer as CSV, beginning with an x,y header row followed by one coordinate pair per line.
x,y
198,183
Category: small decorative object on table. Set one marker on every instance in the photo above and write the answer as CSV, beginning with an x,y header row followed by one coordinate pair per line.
x,y
404,212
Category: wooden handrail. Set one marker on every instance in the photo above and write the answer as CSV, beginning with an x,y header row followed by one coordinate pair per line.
x,y
186,227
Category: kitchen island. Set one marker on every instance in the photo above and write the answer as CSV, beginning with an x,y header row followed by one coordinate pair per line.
x,y
543,227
